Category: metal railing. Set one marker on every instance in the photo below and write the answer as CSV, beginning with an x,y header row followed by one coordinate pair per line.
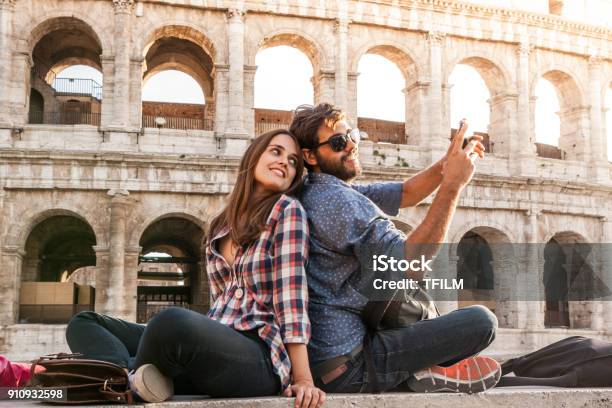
x,y
77,86
263,127
176,122
379,130
549,151
52,314
64,118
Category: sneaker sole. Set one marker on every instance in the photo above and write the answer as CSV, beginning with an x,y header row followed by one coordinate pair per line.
x,y
440,383
151,385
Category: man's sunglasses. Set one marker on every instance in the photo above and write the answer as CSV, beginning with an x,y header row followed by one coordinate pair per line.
x,y
338,141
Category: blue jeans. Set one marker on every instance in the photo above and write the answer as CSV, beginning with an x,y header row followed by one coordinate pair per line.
x,y
398,353
201,355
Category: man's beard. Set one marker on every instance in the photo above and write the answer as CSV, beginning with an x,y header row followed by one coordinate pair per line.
x,y
339,168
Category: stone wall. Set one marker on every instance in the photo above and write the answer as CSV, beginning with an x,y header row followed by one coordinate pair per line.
x,y
134,186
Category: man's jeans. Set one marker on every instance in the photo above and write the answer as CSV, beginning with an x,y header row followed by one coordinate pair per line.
x,y
398,353
201,355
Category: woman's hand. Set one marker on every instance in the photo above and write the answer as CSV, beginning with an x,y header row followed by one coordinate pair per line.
x,y
306,394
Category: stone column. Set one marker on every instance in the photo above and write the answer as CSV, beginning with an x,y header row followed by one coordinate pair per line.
x,y
249,99
506,304
132,255
606,271
598,142
235,119
534,270
438,136
108,90
351,109
341,29
221,98
417,123
10,283
19,87
598,165
522,153
323,85
6,29
574,138
209,112
445,267
103,304
136,65
121,39
117,242
503,135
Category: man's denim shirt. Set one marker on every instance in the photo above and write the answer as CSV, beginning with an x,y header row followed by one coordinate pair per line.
x,y
345,221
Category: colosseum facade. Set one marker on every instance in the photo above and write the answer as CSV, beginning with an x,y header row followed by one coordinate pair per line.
x,y
92,179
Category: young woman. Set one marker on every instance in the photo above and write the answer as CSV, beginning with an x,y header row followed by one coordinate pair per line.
x,y
253,340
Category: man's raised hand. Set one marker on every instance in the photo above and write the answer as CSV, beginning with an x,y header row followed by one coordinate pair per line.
x,y
458,167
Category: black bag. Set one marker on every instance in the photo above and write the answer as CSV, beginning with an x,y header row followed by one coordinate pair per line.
x,y
407,306
85,381
572,362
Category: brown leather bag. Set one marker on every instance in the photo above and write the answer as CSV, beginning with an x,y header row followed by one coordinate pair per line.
x,y
85,381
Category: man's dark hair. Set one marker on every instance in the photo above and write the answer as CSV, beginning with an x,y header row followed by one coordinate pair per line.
x,y
307,119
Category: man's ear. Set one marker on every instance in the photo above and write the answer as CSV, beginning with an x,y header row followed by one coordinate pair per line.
x,y
310,157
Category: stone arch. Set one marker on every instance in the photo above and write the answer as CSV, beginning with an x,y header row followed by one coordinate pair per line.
x,y
185,67
570,280
178,29
499,233
142,221
58,245
494,73
179,47
19,232
180,236
59,19
501,101
394,52
568,87
573,237
52,45
498,269
71,61
292,38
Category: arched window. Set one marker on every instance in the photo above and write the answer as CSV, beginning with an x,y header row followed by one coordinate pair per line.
x,y
381,103
547,123
469,96
282,82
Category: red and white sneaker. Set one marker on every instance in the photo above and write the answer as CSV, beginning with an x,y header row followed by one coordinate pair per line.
x,y
471,375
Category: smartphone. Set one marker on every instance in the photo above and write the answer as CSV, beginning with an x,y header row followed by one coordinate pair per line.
x,y
465,139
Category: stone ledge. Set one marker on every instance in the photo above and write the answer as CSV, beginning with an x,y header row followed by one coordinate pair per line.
x,y
507,397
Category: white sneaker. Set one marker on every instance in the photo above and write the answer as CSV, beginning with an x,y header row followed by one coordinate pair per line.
x,y
148,383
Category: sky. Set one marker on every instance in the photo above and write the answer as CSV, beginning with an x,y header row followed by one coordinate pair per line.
x,y
283,81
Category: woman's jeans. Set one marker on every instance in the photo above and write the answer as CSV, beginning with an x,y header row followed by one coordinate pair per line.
x,y
398,353
201,355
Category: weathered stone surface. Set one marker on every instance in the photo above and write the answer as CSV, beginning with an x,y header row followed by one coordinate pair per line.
x,y
514,397
69,170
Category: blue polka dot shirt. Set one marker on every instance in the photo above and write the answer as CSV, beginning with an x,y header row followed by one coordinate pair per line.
x,y
344,221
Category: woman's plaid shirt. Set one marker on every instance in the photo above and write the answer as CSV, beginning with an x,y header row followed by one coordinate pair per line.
x,y
273,270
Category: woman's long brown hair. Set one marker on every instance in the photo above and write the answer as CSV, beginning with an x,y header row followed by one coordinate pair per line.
x,y
246,216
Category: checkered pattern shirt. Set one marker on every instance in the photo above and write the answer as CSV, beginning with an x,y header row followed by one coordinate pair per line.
x,y
272,273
